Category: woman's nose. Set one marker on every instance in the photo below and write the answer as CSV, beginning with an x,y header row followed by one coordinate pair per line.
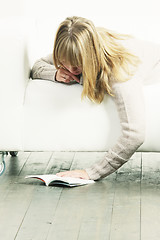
x,y
72,69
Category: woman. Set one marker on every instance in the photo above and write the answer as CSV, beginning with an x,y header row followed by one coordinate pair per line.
x,y
104,63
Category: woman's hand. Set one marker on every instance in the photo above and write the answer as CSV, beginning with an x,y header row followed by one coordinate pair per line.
x,y
63,75
75,174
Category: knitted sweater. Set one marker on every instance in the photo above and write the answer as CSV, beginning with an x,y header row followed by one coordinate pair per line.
x,y
128,97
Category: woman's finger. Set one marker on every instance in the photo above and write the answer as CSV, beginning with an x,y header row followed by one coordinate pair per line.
x,y
68,79
71,75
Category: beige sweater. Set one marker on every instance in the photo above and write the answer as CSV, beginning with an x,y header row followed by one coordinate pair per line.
x,y
129,101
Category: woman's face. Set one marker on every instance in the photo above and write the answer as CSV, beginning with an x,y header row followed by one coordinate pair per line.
x,y
71,69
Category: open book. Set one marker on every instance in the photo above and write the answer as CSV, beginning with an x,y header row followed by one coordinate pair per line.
x,y
51,179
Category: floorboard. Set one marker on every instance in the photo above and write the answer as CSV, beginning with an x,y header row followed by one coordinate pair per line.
x,y
150,197
124,205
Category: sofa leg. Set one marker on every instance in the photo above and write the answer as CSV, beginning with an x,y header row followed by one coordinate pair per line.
x,y
13,154
2,161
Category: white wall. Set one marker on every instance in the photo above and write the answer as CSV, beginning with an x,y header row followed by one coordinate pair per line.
x,y
138,17
10,8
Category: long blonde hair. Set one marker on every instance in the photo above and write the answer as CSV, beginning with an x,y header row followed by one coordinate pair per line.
x,y
102,58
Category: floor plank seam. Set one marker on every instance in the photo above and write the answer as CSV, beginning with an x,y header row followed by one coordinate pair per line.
x,y
45,172
115,183
20,225
72,163
52,222
24,164
78,235
141,194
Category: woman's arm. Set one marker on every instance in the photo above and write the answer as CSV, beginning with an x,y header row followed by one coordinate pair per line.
x,y
130,105
44,69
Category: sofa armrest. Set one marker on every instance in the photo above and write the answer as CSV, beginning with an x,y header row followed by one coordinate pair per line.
x,y
14,67
14,76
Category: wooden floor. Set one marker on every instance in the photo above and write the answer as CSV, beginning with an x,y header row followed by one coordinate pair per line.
x,y
123,206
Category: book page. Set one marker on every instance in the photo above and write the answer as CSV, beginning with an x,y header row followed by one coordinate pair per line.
x,y
48,178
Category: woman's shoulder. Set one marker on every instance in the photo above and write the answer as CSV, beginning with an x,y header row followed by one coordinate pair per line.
x,y
48,59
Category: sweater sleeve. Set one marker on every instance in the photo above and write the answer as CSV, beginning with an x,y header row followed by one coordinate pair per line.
x,y
44,69
128,97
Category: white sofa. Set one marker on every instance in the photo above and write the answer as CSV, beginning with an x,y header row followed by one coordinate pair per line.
x,y
40,115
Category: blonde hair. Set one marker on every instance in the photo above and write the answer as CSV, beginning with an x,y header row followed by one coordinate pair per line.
x,y
103,59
